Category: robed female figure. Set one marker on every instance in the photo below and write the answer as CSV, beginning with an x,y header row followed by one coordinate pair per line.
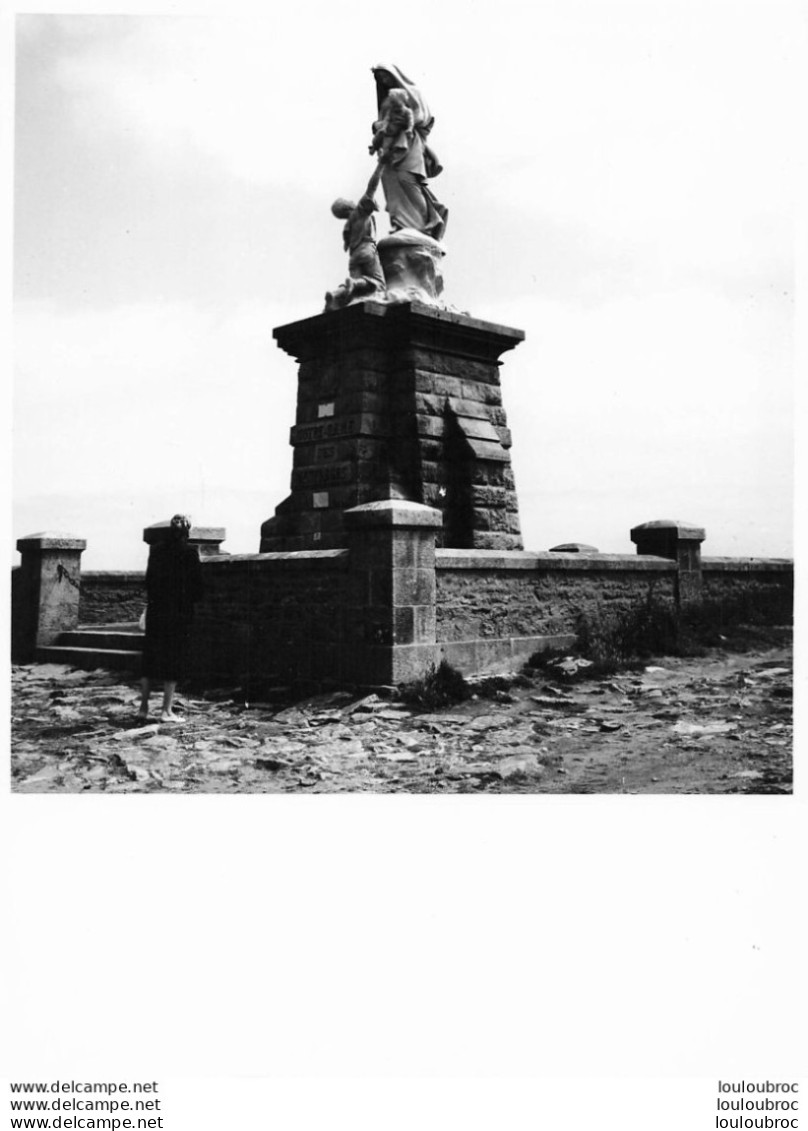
x,y
409,161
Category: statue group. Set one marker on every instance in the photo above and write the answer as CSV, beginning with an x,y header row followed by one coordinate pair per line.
x,y
406,264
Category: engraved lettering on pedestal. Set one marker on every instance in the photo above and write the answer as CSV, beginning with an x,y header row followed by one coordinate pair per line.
x,y
314,477
333,429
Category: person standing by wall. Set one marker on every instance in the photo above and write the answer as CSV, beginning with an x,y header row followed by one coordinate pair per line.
x,y
173,587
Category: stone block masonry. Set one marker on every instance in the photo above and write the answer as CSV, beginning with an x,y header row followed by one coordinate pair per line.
x,y
390,629
112,596
398,401
271,616
497,608
747,590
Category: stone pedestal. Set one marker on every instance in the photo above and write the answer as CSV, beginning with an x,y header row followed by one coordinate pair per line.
x,y
398,401
207,539
391,623
411,262
680,542
45,591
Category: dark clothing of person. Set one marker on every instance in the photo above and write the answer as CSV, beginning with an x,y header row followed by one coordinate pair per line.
x,y
173,586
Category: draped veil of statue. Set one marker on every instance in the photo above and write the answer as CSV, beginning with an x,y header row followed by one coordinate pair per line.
x,y
408,161
406,265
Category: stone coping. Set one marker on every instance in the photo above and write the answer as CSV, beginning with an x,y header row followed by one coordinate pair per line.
x,y
116,575
686,531
748,565
479,559
461,318
550,560
50,540
393,512
395,310
304,559
396,326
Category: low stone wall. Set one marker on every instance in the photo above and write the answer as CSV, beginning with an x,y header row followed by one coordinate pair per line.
x,y
749,590
529,601
388,605
111,596
271,616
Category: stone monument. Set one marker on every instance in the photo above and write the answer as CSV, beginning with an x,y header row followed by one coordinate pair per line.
x,y
398,394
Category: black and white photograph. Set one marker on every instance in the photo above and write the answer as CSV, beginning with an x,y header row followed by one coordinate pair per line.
x,y
420,427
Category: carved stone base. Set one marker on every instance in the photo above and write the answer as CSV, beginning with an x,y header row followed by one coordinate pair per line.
x,y
411,262
353,290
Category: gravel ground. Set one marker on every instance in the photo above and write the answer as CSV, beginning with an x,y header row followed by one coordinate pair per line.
x,y
714,724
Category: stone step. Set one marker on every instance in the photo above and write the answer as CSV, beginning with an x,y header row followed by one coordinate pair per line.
x,y
103,637
115,659
117,626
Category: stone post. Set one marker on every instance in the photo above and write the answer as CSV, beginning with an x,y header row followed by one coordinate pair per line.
x,y
208,539
681,542
45,592
390,621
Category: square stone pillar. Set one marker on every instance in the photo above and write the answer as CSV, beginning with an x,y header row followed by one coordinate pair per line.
x,y
45,591
681,542
390,621
207,539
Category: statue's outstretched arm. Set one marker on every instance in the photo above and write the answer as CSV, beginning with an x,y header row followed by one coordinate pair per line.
x,y
373,183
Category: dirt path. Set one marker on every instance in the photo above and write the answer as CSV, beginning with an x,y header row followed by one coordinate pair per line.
x,y
719,724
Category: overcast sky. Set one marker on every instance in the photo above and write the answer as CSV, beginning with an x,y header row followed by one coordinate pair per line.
x,y
621,187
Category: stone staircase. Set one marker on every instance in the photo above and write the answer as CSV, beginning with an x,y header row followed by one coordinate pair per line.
x,y
114,646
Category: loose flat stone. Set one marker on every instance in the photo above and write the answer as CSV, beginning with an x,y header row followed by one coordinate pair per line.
x,y
444,720
160,740
486,722
136,733
223,765
273,764
292,717
697,729
518,764
45,774
398,755
369,703
393,714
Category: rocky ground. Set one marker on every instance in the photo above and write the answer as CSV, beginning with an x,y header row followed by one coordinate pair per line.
x,y
720,723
